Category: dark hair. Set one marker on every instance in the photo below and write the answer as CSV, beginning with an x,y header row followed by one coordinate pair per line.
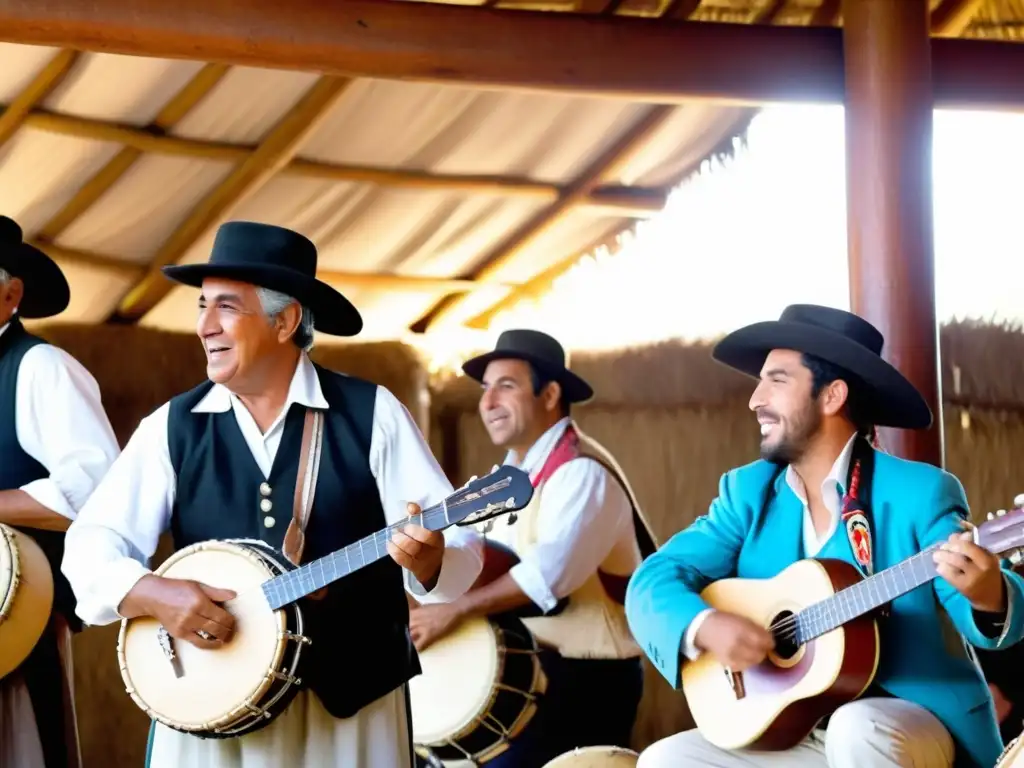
x,y
855,408
539,382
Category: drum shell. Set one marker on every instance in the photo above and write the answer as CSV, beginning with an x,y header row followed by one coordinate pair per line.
x,y
520,682
26,597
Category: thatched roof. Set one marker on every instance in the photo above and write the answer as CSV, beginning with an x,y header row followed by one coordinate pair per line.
x,y
413,191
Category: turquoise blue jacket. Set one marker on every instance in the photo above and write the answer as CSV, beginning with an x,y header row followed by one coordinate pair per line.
x,y
923,658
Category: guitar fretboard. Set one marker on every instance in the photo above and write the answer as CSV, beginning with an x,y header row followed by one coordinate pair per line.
x,y
290,586
864,596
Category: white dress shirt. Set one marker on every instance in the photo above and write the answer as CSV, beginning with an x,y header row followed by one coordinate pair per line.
x,y
60,422
583,515
108,549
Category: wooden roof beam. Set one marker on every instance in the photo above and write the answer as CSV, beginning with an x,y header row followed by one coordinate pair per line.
x,y
372,280
42,85
180,105
641,59
630,202
278,148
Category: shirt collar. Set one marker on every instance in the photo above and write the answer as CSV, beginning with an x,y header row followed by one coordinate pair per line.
x,y
4,327
538,452
304,390
836,478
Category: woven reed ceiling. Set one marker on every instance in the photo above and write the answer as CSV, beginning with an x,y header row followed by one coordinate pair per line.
x,y
117,165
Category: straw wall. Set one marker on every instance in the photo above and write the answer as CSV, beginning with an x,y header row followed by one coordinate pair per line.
x,y
674,419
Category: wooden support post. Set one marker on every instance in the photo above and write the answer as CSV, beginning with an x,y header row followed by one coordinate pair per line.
x,y
889,107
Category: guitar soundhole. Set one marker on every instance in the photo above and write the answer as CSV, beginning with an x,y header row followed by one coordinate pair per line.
x,y
784,632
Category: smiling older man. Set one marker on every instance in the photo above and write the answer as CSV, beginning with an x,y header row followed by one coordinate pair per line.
x,y
222,460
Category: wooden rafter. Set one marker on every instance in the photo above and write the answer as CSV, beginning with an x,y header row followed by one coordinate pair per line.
x,y
372,280
42,85
949,19
175,110
277,149
640,59
766,15
610,160
639,202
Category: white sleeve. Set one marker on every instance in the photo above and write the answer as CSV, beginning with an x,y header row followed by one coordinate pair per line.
x,y
60,422
107,549
583,512
406,471
690,650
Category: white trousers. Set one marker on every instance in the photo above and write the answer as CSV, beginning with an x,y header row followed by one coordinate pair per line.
x,y
304,736
880,733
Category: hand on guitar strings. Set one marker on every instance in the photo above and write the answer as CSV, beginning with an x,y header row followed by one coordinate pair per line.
x,y
973,571
418,550
187,609
735,641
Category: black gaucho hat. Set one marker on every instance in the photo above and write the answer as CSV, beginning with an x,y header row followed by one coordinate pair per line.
x,y
838,337
46,289
275,258
543,352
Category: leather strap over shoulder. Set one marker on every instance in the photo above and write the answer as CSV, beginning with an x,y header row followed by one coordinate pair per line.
x,y
305,485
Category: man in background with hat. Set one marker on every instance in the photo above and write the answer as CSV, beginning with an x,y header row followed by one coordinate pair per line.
x,y
222,461
55,445
578,542
821,489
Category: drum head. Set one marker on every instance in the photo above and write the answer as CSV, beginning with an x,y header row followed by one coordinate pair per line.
x,y
459,672
216,683
596,757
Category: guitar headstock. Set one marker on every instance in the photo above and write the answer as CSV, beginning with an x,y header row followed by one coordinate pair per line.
x,y
505,490
1002,533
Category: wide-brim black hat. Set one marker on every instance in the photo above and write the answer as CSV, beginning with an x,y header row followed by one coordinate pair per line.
x,y
838,337
46,289
279,259
540,350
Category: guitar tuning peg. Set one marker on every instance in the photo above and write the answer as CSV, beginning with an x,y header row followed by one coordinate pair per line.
x,y
990,516
1000,512
1018,500
510,502
494,469
1016,557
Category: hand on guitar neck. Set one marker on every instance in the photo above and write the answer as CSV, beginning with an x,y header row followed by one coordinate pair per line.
x,y
184,608
735,641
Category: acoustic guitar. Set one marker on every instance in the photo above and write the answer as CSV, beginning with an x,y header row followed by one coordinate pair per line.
x,y
1013,755
246,684
822,614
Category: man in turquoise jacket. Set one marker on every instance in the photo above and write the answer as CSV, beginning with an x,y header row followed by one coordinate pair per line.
x,y
823,387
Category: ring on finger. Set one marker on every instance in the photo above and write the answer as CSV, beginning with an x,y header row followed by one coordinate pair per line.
x,y
204,634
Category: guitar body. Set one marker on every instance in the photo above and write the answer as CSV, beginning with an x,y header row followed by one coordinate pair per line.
x,y
1013,755
776,704
26,597
229,691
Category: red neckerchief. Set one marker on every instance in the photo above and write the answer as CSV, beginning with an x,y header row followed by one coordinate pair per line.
x,y
566,449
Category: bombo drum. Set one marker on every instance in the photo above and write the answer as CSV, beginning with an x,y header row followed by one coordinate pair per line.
x,y
596,757
26,597
479,688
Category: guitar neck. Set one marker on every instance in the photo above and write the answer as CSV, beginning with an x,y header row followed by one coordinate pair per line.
x,y
296,584
865,596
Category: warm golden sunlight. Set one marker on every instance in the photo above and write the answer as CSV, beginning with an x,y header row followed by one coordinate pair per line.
x,y
744,238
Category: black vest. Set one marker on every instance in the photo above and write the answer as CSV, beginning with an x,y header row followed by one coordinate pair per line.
x,y
361,648
17,468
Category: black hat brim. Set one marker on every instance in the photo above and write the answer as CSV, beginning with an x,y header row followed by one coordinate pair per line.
x,y
46,288
893,401
574,388
333,314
